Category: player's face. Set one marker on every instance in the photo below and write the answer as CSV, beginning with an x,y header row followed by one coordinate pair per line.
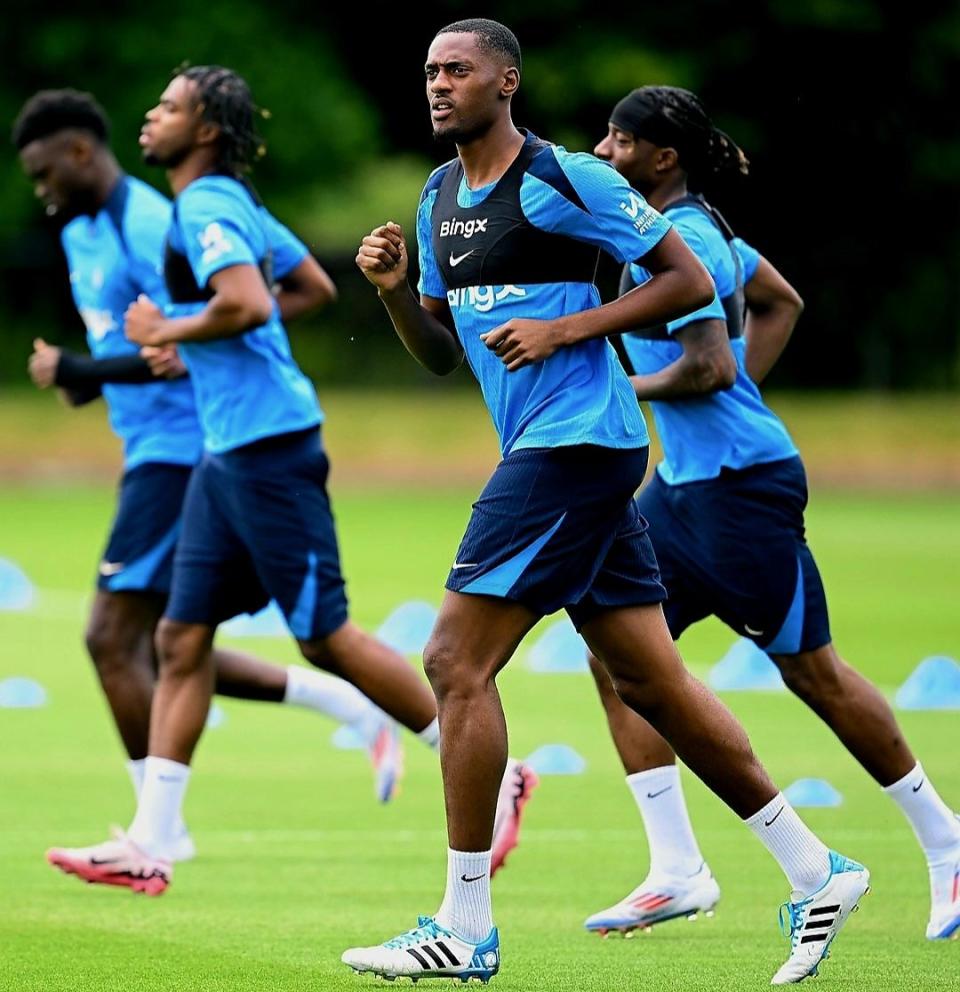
x,y
467,89
171,127
56,167
633,158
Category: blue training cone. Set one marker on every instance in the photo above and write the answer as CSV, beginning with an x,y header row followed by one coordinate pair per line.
x,y
347,738
407,628
269,622
556,759
933,685
18,693
812,792
744,666
16,590
559,649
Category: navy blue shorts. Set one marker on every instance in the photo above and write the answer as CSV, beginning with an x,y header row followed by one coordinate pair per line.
x,y
734,547
257,525
558,528
139,552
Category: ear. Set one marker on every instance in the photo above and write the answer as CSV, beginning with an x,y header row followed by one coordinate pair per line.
x,y
510,84
81,149
207,133
667,159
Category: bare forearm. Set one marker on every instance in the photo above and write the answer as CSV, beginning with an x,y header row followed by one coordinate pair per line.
x,y
430,342
667,295
681,380
766,336
220,318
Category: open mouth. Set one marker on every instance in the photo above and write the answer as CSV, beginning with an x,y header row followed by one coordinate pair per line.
x,y
441,109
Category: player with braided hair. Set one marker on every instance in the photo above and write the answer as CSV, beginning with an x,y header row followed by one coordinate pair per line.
x,y
725,509
256,522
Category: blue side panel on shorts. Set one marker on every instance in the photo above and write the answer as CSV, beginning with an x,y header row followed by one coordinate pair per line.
x,y
140,574
790,635
500,580
300,620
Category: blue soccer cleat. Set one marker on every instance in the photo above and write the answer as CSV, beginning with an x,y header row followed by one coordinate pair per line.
x,y
814,921
428,951
945,896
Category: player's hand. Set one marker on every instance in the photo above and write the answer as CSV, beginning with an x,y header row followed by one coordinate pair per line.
x,y
165,362
43,364
521,342
143,321
382,257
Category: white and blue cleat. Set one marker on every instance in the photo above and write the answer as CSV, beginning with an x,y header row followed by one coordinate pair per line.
x,y
813,922
428,951
945,897
657,900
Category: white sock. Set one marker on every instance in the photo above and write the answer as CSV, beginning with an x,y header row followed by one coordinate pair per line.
x,y
430,735
466,904
934,823
158,821
326,694
673,847
135,771
804,858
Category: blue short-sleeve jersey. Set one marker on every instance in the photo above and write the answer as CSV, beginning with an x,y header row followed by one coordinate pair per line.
x,y
731,428
113,257
580,394
248,387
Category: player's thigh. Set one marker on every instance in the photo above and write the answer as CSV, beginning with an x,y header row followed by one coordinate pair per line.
x,y
213,574
282,513
543,525
143,537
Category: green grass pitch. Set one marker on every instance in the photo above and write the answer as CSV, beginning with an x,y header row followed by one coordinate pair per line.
x,y
297,862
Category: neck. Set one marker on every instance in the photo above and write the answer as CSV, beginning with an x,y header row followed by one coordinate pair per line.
x,y
107,176
668,191
487,158
200,162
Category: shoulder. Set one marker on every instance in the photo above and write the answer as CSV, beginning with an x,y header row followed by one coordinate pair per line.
x,y
569,171
213,192
435,179
700,233
70,232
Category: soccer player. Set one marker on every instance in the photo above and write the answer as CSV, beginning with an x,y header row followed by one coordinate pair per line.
x,y
113,232
725,509
257,522
509,233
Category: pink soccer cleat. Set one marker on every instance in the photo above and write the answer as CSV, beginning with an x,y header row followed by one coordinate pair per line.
x,y
114,862
519,781
386,756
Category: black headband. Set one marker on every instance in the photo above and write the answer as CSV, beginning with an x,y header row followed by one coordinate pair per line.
x,y
640,116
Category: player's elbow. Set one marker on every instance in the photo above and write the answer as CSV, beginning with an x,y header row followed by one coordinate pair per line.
x,y
714,372
702,289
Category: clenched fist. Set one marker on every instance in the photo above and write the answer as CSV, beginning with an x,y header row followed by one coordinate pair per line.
x,y
382,257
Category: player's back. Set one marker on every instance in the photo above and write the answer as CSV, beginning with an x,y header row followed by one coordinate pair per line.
x,y
730,428
113,257
248,386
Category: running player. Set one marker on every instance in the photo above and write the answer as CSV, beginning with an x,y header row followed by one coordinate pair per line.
x,y
509,234
257,522
725,509
112,234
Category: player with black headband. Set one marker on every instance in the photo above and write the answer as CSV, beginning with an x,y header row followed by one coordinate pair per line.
x,y
256,518
509,234
725,509
113,230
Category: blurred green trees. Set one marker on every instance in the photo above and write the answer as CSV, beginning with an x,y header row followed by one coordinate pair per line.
x,y
843,106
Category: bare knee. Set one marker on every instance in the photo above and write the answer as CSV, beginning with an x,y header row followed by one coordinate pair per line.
x,y
326,652
453,672
114,636
182,648
813,676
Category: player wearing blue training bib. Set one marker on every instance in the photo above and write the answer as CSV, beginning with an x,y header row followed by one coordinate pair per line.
x,y
509,236
113,236
725,509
